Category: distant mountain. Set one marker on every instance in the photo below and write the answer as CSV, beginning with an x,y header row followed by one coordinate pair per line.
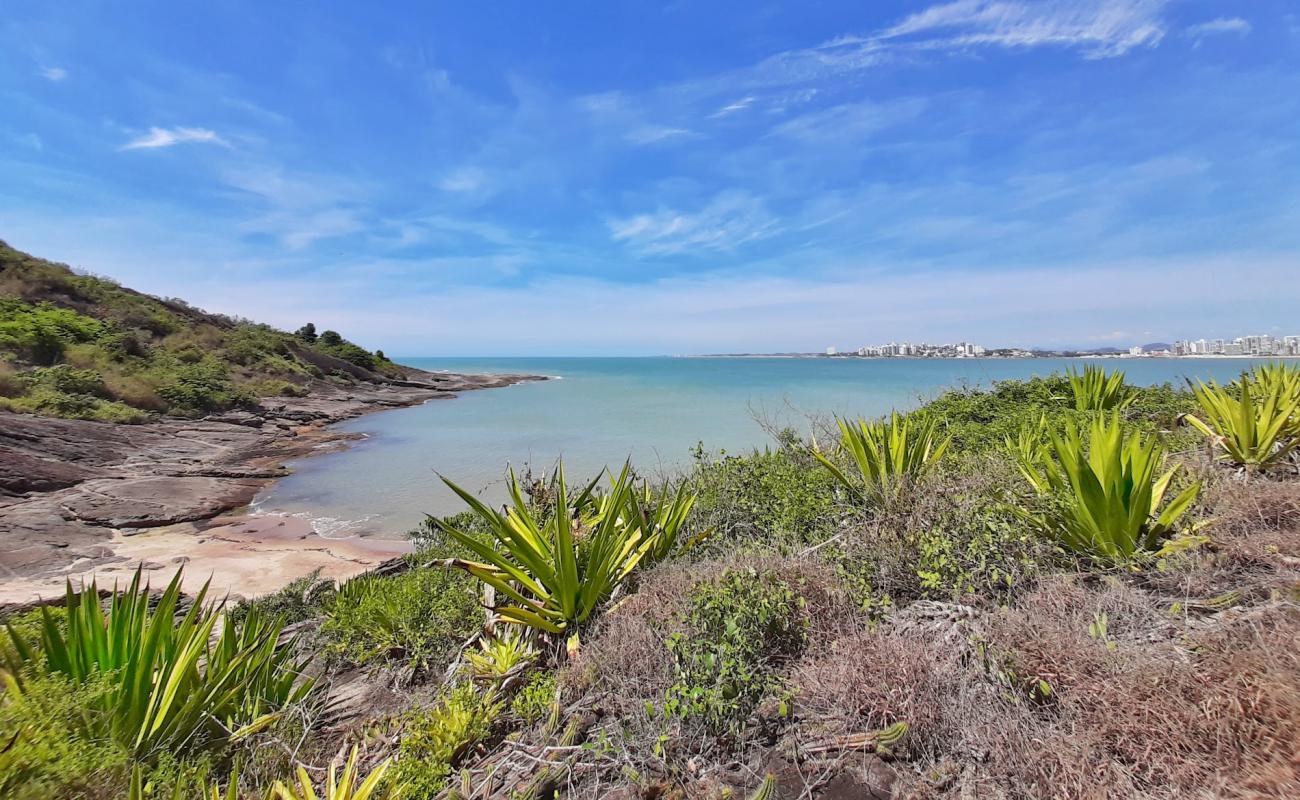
x,y
1157,346
74,345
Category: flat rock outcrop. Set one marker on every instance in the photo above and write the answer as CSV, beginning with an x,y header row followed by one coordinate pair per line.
x,y
66,486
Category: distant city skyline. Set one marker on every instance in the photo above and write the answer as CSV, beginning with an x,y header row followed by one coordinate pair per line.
x,y
524,178
1261,345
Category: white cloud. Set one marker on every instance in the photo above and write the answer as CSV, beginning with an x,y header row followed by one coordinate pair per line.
x,y
1221,25
55,74
1102,28
651,134
166,137
731,108
731,219
465,179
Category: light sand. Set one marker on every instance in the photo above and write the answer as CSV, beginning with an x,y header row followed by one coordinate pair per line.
x,y
245,556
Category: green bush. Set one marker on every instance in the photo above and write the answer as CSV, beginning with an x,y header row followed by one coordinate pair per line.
x,y
434,739
69,380
40,333
535,699
420,617
57,747
202,386
740,629
778,499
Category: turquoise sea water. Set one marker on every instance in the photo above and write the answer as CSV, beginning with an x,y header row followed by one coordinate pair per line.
x,y
602,411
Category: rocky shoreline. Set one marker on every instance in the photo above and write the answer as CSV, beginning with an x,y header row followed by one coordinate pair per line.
x,y
81,497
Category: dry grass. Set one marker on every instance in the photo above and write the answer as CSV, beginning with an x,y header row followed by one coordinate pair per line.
x,y
1154,691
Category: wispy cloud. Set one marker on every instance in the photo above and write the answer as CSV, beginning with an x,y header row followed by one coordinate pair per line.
x,y
167,137
849,122
652,134
1222,25
1102,28
54,74
731,219
731,108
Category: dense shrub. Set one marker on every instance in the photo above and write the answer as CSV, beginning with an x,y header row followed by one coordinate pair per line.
x,y
69,380
420,617
741,628
201,386
41,332
779,499
57,749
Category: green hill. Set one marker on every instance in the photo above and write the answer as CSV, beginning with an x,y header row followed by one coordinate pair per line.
x,y
80,346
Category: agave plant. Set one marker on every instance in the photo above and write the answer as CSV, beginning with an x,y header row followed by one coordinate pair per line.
x,y
1097,390
554,581
174,685
348,786
1255,424
1276,378
1109,492
664,517
889,456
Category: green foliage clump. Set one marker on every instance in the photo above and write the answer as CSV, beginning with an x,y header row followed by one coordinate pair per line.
x,y
978,548
1106,498
535,699
40,332
51,744
202,386
771,499
420,616
434,739
890,457
553,580
292,603
741,628
332,344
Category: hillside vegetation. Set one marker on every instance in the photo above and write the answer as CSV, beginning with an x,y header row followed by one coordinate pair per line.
x,y
1066,587
81,346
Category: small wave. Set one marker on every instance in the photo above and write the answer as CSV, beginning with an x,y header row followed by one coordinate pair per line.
x,y
325,527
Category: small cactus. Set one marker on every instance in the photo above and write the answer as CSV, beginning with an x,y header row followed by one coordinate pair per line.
x,y
888,737
766,790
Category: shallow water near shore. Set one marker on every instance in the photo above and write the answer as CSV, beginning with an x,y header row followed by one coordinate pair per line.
x,y
604,410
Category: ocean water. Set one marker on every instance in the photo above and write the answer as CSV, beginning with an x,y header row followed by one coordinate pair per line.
x,y
602,411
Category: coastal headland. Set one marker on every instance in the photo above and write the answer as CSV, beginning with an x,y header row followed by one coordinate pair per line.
x,y
79,497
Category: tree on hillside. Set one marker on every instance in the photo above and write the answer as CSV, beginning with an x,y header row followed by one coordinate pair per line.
x,y
331,339
307,333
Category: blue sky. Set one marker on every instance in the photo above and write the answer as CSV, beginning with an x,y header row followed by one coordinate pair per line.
x,y
635,178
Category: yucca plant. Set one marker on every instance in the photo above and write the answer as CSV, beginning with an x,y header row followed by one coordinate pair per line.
x,y
174,686
1255,424
1108,491
889,456
557,572
1096,390
348,786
